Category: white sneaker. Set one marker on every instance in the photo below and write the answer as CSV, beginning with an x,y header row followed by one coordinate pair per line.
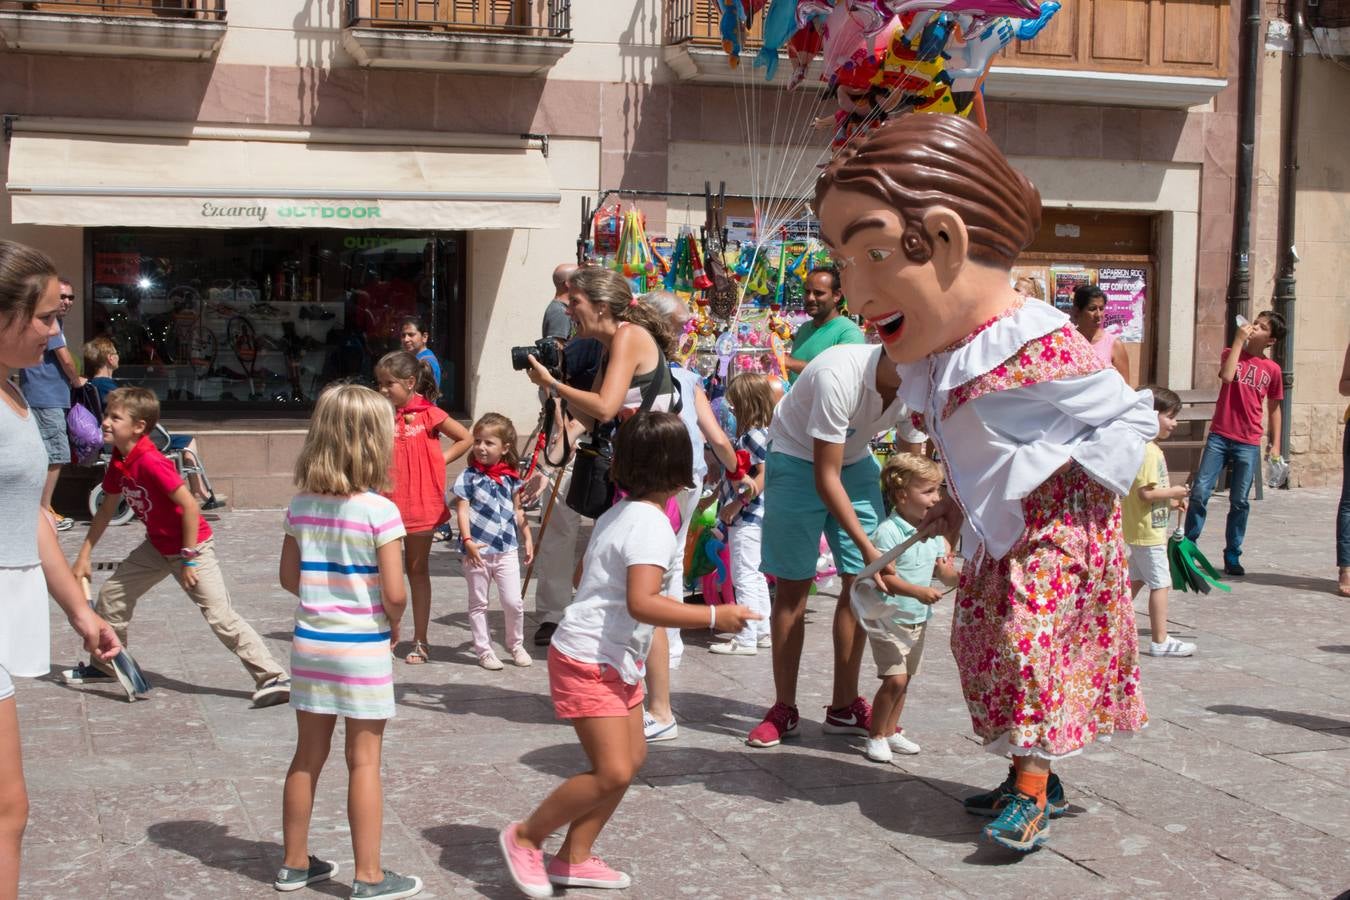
x,y
732,648
878,750
765,642
520,657
490,661
655,732
901,744
1170,647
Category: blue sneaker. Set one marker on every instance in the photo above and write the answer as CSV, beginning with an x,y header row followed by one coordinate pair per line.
x,y
991,803
1022,826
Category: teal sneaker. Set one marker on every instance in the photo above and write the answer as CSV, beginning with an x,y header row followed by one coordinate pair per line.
x,y
991,803
289,879
1022,826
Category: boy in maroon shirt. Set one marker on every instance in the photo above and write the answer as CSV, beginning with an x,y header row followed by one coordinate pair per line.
x,y
178,543
1251,384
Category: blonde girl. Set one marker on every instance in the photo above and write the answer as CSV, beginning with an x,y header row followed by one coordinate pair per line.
x,y
912,485
752,397
492,528
418,474
342,556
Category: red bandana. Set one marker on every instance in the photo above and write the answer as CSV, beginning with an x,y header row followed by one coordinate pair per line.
x,y
498,471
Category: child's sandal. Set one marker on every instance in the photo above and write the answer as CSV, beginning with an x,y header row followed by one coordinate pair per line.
x,y
418,655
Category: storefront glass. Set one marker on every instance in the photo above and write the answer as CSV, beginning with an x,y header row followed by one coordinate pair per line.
x,y
264,318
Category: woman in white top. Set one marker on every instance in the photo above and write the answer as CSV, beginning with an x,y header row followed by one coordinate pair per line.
x,y
31,562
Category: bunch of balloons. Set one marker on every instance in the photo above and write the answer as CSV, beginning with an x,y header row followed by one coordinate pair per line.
x,y
885,57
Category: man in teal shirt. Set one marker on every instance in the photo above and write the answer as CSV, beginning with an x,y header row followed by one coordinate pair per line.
x,y
827,327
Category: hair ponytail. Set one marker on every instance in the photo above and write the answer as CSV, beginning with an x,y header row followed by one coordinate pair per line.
x,y
608,288
403,364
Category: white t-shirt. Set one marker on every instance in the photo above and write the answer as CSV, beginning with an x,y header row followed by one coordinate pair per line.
x,y
835,399
596,628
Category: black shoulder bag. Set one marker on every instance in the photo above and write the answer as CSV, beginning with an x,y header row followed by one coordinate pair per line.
x,y
591,491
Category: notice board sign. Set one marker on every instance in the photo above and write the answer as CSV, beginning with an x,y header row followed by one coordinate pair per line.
x,y
1125,289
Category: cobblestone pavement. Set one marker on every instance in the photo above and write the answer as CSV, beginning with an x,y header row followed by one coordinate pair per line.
x,y
1239,787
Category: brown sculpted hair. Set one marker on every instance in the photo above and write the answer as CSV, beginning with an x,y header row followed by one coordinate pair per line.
x,y
605,287
922,160
24,275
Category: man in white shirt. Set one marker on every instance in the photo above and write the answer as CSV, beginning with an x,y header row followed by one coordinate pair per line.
x,y
821,479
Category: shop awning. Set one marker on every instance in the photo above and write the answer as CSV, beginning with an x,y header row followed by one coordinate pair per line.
x,y
61,178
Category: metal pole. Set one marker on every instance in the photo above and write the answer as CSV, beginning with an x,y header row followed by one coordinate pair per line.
x,y
1240,276
1285,290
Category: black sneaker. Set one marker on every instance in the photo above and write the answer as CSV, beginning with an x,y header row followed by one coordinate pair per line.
x,y
991,803
289,879
1234,569
544,633
84,673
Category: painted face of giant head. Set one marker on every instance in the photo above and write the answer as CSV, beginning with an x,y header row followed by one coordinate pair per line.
x,y
920,217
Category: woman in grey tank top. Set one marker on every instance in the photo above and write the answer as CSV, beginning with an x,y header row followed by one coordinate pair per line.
x,y
31,562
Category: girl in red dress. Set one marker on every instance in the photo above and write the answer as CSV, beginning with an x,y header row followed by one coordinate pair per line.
x,y
418,474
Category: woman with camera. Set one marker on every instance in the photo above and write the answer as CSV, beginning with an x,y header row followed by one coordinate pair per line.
x,y
632,340
635,339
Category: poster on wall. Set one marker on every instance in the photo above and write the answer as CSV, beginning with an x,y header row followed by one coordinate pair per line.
x,y
1064,279
1031,281
1125,289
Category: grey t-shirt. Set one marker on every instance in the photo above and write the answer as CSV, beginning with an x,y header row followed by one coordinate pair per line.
x,y
556,322
23,470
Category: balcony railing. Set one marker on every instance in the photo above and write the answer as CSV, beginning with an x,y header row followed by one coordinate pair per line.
x,y
201,10
522,18
698,22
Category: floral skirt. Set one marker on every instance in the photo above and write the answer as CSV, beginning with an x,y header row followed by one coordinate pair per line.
x,y
1044,638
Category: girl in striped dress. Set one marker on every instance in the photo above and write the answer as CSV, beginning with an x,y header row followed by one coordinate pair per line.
x,y
342,557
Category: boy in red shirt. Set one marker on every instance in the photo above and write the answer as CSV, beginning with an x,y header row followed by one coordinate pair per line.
x,y
178,543
1250,381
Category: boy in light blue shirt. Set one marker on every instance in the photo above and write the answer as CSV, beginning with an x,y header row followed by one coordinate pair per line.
x,y
912,485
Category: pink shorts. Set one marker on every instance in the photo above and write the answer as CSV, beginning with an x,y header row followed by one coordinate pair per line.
x,y
584,690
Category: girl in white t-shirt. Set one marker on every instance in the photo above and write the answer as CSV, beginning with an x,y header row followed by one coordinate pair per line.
x,y
598,655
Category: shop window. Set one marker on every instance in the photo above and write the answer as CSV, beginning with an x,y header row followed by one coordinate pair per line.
x,y
265,318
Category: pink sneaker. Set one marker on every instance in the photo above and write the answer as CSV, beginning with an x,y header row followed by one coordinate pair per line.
x,y
525,866
593,873
856,718
779,722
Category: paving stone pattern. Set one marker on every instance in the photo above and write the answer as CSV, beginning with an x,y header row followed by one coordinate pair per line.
x,y
1239,788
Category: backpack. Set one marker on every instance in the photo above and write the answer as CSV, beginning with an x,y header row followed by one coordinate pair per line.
x,y
82,425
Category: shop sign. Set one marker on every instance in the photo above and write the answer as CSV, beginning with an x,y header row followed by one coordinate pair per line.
x,y
1124,289
263,212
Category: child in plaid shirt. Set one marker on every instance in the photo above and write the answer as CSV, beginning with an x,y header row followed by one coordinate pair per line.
x,y
751,396
487,502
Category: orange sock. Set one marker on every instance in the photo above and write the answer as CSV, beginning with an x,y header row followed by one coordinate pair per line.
x,y
1033,784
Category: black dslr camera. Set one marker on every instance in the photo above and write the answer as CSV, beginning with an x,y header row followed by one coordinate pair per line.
x,y
546,350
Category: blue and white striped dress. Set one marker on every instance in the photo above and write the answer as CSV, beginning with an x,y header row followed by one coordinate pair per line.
x,y
340,660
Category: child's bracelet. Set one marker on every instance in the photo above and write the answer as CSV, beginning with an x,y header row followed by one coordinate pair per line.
x,y
187,563
712,617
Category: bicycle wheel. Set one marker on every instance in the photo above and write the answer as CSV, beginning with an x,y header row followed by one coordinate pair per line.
x,y
122,516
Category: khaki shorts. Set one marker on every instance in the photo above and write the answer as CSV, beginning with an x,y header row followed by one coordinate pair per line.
x,y
899,652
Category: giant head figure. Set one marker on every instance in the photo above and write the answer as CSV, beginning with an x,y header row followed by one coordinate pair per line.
x,y
925,218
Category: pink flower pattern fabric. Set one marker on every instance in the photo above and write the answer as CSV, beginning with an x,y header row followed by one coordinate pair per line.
x,y
1044,639
1059,354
